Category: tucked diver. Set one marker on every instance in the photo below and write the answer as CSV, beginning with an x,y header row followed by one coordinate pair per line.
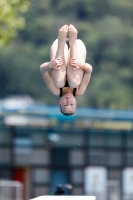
x,y
67,74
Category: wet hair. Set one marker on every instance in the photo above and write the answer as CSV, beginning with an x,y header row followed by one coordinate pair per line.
x,y
67,114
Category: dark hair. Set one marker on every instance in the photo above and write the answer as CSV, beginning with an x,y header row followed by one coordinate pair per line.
x,y
67,114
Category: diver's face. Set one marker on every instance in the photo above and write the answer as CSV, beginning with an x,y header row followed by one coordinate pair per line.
x,y
68,103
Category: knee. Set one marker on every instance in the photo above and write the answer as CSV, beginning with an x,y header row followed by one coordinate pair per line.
x,y
80,42
54,44
73,83
59,83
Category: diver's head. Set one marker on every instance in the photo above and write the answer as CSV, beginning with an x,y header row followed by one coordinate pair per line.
x,y
68,104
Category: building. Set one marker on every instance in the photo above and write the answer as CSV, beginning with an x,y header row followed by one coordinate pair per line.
x,y
91,150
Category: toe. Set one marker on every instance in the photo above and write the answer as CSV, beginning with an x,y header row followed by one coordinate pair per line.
x,y
71,25
66,27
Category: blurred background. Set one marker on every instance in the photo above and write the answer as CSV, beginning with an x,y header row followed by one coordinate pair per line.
x,y
40,148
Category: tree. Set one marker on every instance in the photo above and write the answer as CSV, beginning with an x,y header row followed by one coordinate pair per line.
x,y
105,26
11,19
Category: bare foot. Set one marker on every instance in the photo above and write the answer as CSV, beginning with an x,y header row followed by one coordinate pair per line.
x,y
62,33
72,34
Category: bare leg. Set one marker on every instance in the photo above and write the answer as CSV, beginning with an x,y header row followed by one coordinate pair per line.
x,y
59,49
78,51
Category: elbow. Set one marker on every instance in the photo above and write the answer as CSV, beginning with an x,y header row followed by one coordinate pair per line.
x,y
80,92
91,68
42,68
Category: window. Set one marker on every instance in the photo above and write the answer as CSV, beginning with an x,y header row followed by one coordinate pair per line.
x,y
114,140
5,155
41,175
97,157
114,174
59,156
114,158
76,157
77,176
97,139
129,158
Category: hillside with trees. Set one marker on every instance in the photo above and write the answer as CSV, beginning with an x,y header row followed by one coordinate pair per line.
x,y
106,28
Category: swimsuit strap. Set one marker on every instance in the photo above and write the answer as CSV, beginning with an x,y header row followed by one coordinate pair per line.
x,y
60,92
74,92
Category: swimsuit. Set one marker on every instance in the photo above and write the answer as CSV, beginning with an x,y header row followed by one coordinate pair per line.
x,y
66,85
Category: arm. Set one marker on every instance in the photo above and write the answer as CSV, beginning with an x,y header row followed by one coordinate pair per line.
x,y
48,79
85,79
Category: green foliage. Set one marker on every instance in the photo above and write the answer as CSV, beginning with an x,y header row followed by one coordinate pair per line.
x,y
105,26
9,19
